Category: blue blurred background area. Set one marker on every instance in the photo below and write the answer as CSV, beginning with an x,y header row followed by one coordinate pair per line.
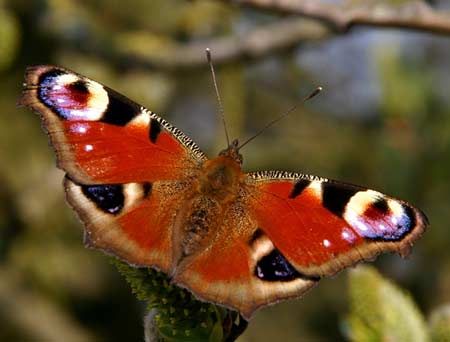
x,y
382,121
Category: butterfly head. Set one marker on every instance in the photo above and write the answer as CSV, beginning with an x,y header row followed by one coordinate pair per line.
x,y
232,152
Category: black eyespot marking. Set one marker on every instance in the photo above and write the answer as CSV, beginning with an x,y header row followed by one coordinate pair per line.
x,y
256,235
298,188
79,87
336,196
155,130
120,110
275,267
381,205
109,198
147,187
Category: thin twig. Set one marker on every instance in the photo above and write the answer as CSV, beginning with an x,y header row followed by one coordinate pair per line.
x,y
253,44
416,15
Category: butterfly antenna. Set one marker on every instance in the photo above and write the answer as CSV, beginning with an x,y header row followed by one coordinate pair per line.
x,y
282,116
219,100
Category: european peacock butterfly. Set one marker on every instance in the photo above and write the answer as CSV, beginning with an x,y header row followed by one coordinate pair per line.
x,y
148,195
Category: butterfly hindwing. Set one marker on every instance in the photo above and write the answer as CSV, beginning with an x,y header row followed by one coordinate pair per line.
x,y
132,221
322,226
101,136
240,267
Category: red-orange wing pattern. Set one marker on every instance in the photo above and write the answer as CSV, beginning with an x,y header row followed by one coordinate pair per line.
x,y
146,194
229,269
100,136
285,231
321,226
133,221
127,169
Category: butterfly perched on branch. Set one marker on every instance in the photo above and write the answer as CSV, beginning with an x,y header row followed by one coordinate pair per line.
x,y
148,195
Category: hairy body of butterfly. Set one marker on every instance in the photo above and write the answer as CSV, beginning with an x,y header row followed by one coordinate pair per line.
x,y
147,194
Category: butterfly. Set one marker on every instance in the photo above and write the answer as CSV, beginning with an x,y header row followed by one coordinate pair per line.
x,y
149,196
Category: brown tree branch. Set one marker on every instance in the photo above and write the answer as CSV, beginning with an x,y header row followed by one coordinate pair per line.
x,y
318,21
253,44
416,15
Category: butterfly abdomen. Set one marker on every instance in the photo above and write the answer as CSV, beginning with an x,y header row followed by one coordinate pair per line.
x,y
199,224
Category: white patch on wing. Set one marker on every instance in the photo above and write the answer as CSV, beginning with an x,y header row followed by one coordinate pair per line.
x,y
143,119
64,80
348,235
396,208
260,248
361,201
79,128
316,188
133,193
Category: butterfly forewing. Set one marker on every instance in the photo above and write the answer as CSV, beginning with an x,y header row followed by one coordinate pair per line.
x,y
101,136
322,226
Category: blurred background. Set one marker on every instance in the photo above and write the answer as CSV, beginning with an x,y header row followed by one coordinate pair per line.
x,y
382,121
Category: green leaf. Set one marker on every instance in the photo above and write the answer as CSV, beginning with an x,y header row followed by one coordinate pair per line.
x,y
176,315
440,324
381,311
216,333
